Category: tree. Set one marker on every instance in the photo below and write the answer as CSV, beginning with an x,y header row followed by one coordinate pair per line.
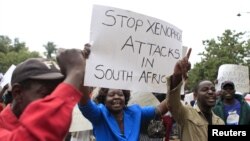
x,y
50,49
18,46
4,44
230,48
13,53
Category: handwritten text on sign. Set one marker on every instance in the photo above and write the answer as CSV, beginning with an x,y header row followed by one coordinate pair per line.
x,y
236,73
131,51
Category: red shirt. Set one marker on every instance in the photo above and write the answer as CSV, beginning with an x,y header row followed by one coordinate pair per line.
x,y
1,106
46,119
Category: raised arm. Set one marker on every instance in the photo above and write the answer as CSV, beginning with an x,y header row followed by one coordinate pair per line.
x,y
49,118
162,108
174,83
86,91
73,66
180,71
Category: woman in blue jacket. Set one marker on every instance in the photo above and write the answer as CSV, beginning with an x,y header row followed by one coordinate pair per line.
x,y
113,120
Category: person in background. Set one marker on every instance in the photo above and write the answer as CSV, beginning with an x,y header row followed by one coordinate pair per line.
x,y
193,121
232,107
7,96
2,91
43,97
168,122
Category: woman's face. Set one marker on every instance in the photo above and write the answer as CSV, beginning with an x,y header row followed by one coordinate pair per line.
x,y
115,100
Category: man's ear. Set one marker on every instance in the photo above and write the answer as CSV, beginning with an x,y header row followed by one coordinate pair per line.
x,y
16,91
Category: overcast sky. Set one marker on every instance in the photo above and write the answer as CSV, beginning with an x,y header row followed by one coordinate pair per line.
x,y
67,22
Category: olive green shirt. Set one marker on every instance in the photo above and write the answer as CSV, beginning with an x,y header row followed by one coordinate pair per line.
x,y
193,124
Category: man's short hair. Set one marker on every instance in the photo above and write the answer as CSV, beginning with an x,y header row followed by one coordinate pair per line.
x,y
37,69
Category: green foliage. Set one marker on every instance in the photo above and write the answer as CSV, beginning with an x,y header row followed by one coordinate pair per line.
x,y
230,48
5,44
13,53
50,50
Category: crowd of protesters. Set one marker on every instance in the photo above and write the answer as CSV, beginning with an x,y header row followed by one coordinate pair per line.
x,y
37,105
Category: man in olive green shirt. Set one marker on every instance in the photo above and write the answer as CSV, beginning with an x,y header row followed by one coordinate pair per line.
x,y
193,121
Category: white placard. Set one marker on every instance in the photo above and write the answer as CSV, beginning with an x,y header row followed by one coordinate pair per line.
x,y
7,76
235,73
184,51
188,97
131,51
143,99
79,122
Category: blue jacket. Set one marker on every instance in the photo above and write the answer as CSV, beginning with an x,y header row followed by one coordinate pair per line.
x,y
105,126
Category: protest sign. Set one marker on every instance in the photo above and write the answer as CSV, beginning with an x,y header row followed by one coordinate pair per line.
x,y
235,73
131,51
188,97
7,76
184,51
143,99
